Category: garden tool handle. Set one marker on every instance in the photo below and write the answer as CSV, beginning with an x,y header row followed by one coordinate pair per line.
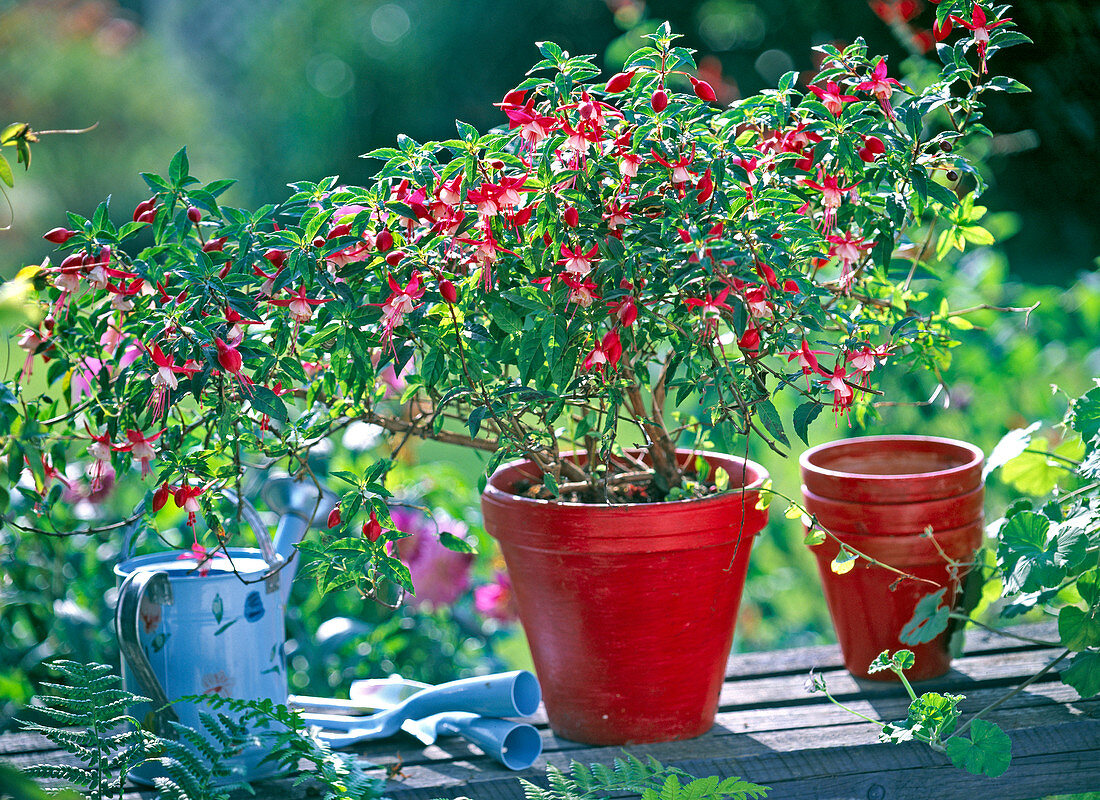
x,y
137,586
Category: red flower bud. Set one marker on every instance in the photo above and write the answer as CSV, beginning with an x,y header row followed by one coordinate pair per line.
x,y
143,206
872,147
394,258
318,241
49,322
703,90
276,257
334,517
523,216
547,239
74,260
194,215
941,32
384,241
372,530
620,81
339,230
659,101
160,497
572,217
448,291
147,216
59,235
228,357
706,188
215,244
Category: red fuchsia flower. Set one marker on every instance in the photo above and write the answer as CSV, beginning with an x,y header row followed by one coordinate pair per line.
x,y
872,148
606,354
620,82
267,288
140,448
705,187
625,311
979,27
941,32
67,277
201,554
401,301
496,600
100,452
299,305
581,290
701,249
807,360
842,392
334,518
164,380
578,261
372,528
161,495
832,194
485,252
757,303
440,575
881,87
750,341
534,127
187,499
680,172
710,309
230,360
592,110
864,360
628,164
237,324
618,214
847,248
579,138
832,98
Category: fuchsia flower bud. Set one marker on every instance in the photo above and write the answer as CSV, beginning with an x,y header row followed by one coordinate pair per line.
x,y
572,217
620,81
703,90
194,215
160,497
144,207
215,244
706,187
276,257
334,519
448,291
59,235
228,357
372,529
384,240
941,32
659,101
872,148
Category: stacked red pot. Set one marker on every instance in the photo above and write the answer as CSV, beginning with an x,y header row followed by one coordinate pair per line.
x,y
879,495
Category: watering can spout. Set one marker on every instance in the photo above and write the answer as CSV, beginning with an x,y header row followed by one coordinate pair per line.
x,y
300,504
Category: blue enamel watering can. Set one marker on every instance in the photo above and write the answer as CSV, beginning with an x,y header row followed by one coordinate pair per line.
x,y
216,627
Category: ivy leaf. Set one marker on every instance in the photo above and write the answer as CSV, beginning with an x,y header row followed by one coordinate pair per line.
x,y
929,620
1083,674
1078,629
988,751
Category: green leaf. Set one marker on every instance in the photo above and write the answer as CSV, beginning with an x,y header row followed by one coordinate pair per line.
x,y
1026,553
452,542
1086,415
803,416
1083,674
844,562
267,402
930,618
1078,629
933,715
5,172
1011,445
988,751
179,169
1032,473
770,417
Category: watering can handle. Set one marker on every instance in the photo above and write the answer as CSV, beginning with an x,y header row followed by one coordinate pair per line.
x,y
137,586
248,513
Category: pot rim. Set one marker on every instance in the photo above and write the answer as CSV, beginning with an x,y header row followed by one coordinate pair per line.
x,y
975,460
757,471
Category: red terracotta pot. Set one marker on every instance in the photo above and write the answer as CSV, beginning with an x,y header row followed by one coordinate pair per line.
x,y
870,606
892,469
891,519
629,610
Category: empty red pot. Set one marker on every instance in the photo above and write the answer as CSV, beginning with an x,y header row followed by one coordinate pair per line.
x,y
629,610
892,469
891,519
870,605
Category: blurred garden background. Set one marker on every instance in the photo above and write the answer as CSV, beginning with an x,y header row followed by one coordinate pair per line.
x,y
271,91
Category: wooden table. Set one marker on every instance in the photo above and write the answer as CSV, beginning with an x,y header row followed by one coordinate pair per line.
x,y
770,730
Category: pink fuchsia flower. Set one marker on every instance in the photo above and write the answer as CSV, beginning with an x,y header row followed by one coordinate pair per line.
x,y
832,195
299,306
710,309
578,261
847,248
864,360
625,311
832,98
401,301
680,171
606,354
187,499
485,253
496,600
881,87
979,27
100,452
164,380
439,575
807,360
30,340
581,290
842,392
201,554
140,448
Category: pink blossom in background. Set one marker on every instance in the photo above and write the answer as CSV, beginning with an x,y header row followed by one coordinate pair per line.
x,y
439,575
496,600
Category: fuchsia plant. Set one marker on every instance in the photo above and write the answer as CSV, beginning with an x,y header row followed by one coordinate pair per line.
x,y
620,248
